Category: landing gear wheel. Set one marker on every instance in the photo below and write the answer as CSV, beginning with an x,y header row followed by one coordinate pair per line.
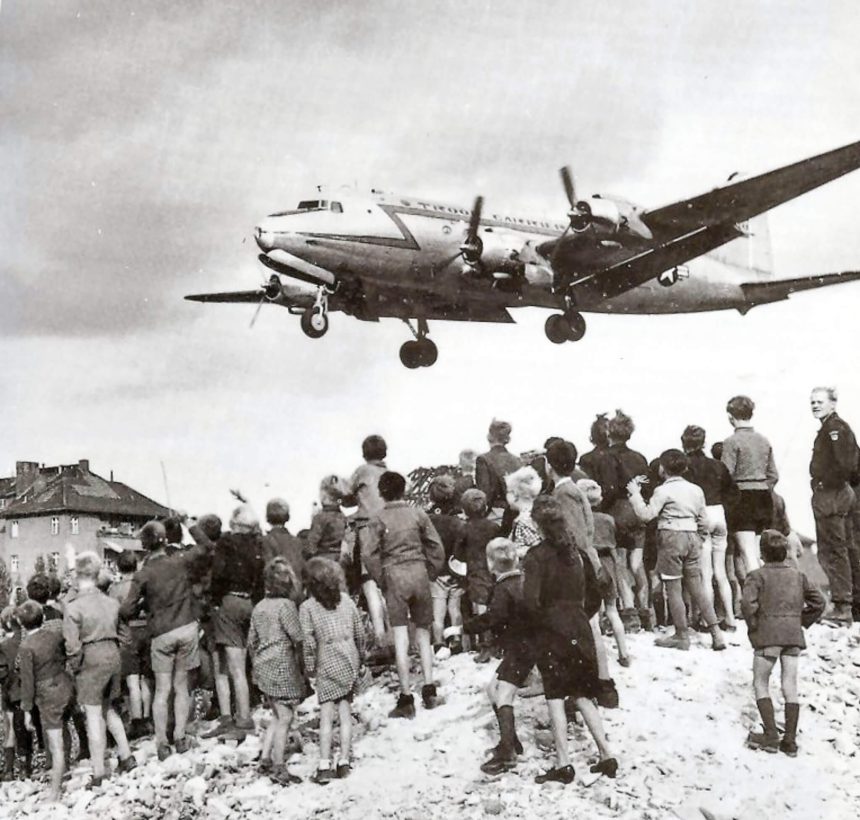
x,y
428,352
575,326
411,355
314,323
556,329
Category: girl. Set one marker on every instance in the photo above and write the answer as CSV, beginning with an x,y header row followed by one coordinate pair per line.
x,y
523,488
275,645
333,652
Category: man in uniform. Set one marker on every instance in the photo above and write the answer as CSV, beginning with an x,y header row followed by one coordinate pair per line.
x,y
833,468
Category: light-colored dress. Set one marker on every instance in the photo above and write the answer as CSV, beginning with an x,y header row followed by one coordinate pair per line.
x,y
333,646
273,640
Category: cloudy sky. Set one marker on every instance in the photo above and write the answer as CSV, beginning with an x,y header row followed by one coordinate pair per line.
x,y
141,141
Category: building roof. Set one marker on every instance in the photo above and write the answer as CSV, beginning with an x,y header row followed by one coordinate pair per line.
x,y
74,489
7,486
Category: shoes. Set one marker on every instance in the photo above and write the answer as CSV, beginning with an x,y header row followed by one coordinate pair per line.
x,y
624,660
126,765
428,696
282,777
719,642
225,725
560,774
673,642
728,627
442,653
764,741
607,694
97,781
494,750
501,761
163,751
788,747
343,770
839,614
182,744
609,767
405,707
323,776
855,612
239,729
630,619
484,656
265,766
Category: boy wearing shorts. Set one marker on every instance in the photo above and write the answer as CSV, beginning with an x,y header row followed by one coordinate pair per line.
x,y
403,553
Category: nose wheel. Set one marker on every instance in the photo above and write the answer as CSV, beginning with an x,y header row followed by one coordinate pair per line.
x,y
565,327
420,351
314,320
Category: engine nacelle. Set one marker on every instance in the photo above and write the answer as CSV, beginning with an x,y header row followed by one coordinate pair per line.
x,y
501,254
609,217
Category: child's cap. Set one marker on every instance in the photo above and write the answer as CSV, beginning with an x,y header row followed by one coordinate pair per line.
x,y
277,511
457,567
473,502
591,490
442,489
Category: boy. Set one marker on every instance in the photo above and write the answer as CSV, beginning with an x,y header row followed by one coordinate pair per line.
x,y
10,680
471,549
506,618
328,525
39,589
134,657
778,602
44,683
279,542
682,521
403,554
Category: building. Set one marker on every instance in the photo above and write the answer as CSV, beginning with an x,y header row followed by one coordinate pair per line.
x,y
45,511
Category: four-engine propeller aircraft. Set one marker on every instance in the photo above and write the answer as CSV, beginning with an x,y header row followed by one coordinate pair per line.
x,y
380,256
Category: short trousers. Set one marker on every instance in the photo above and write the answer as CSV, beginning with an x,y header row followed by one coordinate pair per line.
x,y
678,554
629,529
774,652
177,649
517,662
717,531
98,681
607,561
232,620
444,589
135,657
751,512
407,594
53,697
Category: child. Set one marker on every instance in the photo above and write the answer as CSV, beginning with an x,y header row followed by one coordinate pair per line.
x,y
403,555
16,732
44,589
134,657
329,524
778,601
91,630
506,617
523,486
472,551
44,683
275,646
604,543
447,589
279,542
679,507
333,647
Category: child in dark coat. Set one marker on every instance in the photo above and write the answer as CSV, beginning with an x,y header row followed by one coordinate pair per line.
x,y
778,602
507,619
328,526
16,733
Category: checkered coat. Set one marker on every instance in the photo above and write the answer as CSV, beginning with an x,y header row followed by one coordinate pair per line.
x,y
333,646
274,641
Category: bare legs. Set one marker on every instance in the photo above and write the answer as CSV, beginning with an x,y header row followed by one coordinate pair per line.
x,y
236,660
747,542
275,740
139,697
327,712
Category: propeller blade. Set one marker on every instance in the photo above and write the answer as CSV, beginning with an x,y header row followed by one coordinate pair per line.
x,y
256,313
475,220
569,187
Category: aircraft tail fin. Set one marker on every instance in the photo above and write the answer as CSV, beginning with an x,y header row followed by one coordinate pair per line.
x,y
751,252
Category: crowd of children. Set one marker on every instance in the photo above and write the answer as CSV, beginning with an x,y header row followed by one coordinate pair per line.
x,y
525,563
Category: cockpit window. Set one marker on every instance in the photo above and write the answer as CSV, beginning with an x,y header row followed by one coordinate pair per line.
x,y
337,207
313,205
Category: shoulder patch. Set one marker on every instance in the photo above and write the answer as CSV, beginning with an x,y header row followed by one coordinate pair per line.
x,y
834,435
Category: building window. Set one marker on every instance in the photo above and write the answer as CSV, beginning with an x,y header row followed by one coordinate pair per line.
x,y
2,503
75,523
13,563
13,531
55,525
55,562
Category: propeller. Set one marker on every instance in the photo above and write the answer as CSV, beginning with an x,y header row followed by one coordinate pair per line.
x,y
472,246
270,290
579,214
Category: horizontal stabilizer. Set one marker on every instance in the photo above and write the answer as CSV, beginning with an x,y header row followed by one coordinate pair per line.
x,y
758,293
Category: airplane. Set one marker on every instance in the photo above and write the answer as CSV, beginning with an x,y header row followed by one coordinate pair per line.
x,y
380,255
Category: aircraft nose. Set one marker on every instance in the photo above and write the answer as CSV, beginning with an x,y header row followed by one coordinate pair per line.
x,y
264,238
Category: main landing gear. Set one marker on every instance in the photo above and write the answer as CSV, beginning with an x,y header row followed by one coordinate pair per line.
x,y
420,352
314,320
565,327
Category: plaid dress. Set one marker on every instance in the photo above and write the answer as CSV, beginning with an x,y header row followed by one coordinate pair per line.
x,y
273,640
333,646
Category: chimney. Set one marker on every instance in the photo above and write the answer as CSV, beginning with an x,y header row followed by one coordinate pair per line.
x,y
111,476
26,472
84,465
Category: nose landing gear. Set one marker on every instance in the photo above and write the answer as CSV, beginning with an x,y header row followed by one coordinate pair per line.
x,y
314,320
420,352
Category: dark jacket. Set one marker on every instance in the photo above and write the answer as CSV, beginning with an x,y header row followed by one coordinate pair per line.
x,y
712,476
554,598
9,678
450,530
506,615
471,549
601,466
327,530
237,566
164,587
834,455
279,542
490,471
778,601
42,656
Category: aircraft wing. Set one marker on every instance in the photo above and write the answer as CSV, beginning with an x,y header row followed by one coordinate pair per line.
x,y
759,293
687,229
230,296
